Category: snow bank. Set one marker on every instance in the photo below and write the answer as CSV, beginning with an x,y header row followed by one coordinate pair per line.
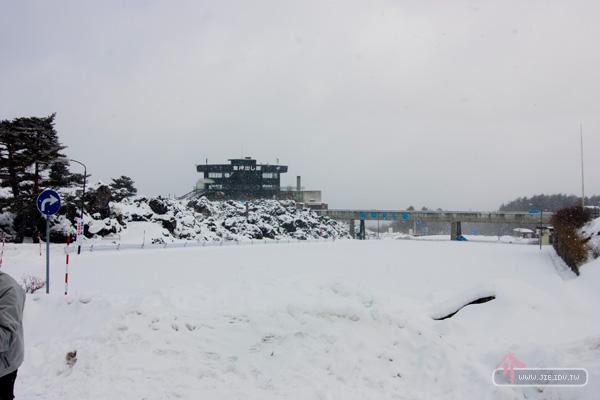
x,y
591,231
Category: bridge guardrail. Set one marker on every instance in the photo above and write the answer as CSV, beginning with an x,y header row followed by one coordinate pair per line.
x,y
439,216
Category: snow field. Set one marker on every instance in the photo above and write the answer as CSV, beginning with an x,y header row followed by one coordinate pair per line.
x,y
342,320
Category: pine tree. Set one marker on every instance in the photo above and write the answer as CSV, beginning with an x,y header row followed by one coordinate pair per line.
x,y
60,176
122,188
29,151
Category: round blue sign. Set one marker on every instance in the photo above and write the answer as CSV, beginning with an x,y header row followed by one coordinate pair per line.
x,y
48,202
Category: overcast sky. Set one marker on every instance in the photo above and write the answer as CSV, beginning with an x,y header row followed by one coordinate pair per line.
x,y
462,105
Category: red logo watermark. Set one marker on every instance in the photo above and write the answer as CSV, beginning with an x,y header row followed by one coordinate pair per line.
x,y
520,375
510,361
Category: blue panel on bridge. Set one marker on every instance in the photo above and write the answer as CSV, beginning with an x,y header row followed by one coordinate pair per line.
x,y
363,215
405,216
394,216
373,215
384,216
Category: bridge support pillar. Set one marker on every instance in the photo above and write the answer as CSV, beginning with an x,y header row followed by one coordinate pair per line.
x,y
455,230
362,230
352,229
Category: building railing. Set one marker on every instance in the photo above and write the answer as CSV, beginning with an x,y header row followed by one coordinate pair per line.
x,y
290,188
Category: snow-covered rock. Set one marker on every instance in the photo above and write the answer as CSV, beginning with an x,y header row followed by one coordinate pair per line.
x,y
205,220
591,233
164,220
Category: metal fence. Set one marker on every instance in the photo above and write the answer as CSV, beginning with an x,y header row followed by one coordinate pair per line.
x,y
176,245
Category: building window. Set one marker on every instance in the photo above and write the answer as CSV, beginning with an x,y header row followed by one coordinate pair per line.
x,y
269,175
215,187
227,174
215,174
269,187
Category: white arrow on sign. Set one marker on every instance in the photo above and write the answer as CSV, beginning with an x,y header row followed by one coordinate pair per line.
x,y
50,200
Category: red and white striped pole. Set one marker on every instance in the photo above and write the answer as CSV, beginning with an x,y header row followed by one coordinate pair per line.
x,y
40,242
67,267
2,253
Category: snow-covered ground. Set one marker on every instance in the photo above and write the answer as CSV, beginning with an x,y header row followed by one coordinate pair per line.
x,y
473,238
341,319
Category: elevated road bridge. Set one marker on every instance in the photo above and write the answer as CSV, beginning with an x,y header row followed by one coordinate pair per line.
x,y
455,218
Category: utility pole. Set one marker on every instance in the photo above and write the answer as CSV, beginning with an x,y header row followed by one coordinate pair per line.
x,y
582,181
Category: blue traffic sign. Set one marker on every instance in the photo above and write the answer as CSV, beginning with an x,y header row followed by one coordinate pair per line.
x,y
48,202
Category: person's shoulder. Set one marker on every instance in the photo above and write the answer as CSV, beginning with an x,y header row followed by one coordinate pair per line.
x,y
5,277
7,280
10,289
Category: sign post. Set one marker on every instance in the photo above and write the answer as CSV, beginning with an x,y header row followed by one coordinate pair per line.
x,y
48,202
79,234
541,225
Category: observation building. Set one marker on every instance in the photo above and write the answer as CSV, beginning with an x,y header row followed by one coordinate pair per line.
x,y
244,179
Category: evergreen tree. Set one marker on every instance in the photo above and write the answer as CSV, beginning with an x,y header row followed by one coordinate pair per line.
x,y
59,176
123,187
29,150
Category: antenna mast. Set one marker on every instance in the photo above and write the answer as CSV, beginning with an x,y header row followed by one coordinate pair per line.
x,y
582,181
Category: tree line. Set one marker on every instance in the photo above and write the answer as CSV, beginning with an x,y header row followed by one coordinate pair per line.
x,y
32,159
543,202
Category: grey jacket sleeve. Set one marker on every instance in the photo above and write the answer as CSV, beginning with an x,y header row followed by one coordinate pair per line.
x,y
12,300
